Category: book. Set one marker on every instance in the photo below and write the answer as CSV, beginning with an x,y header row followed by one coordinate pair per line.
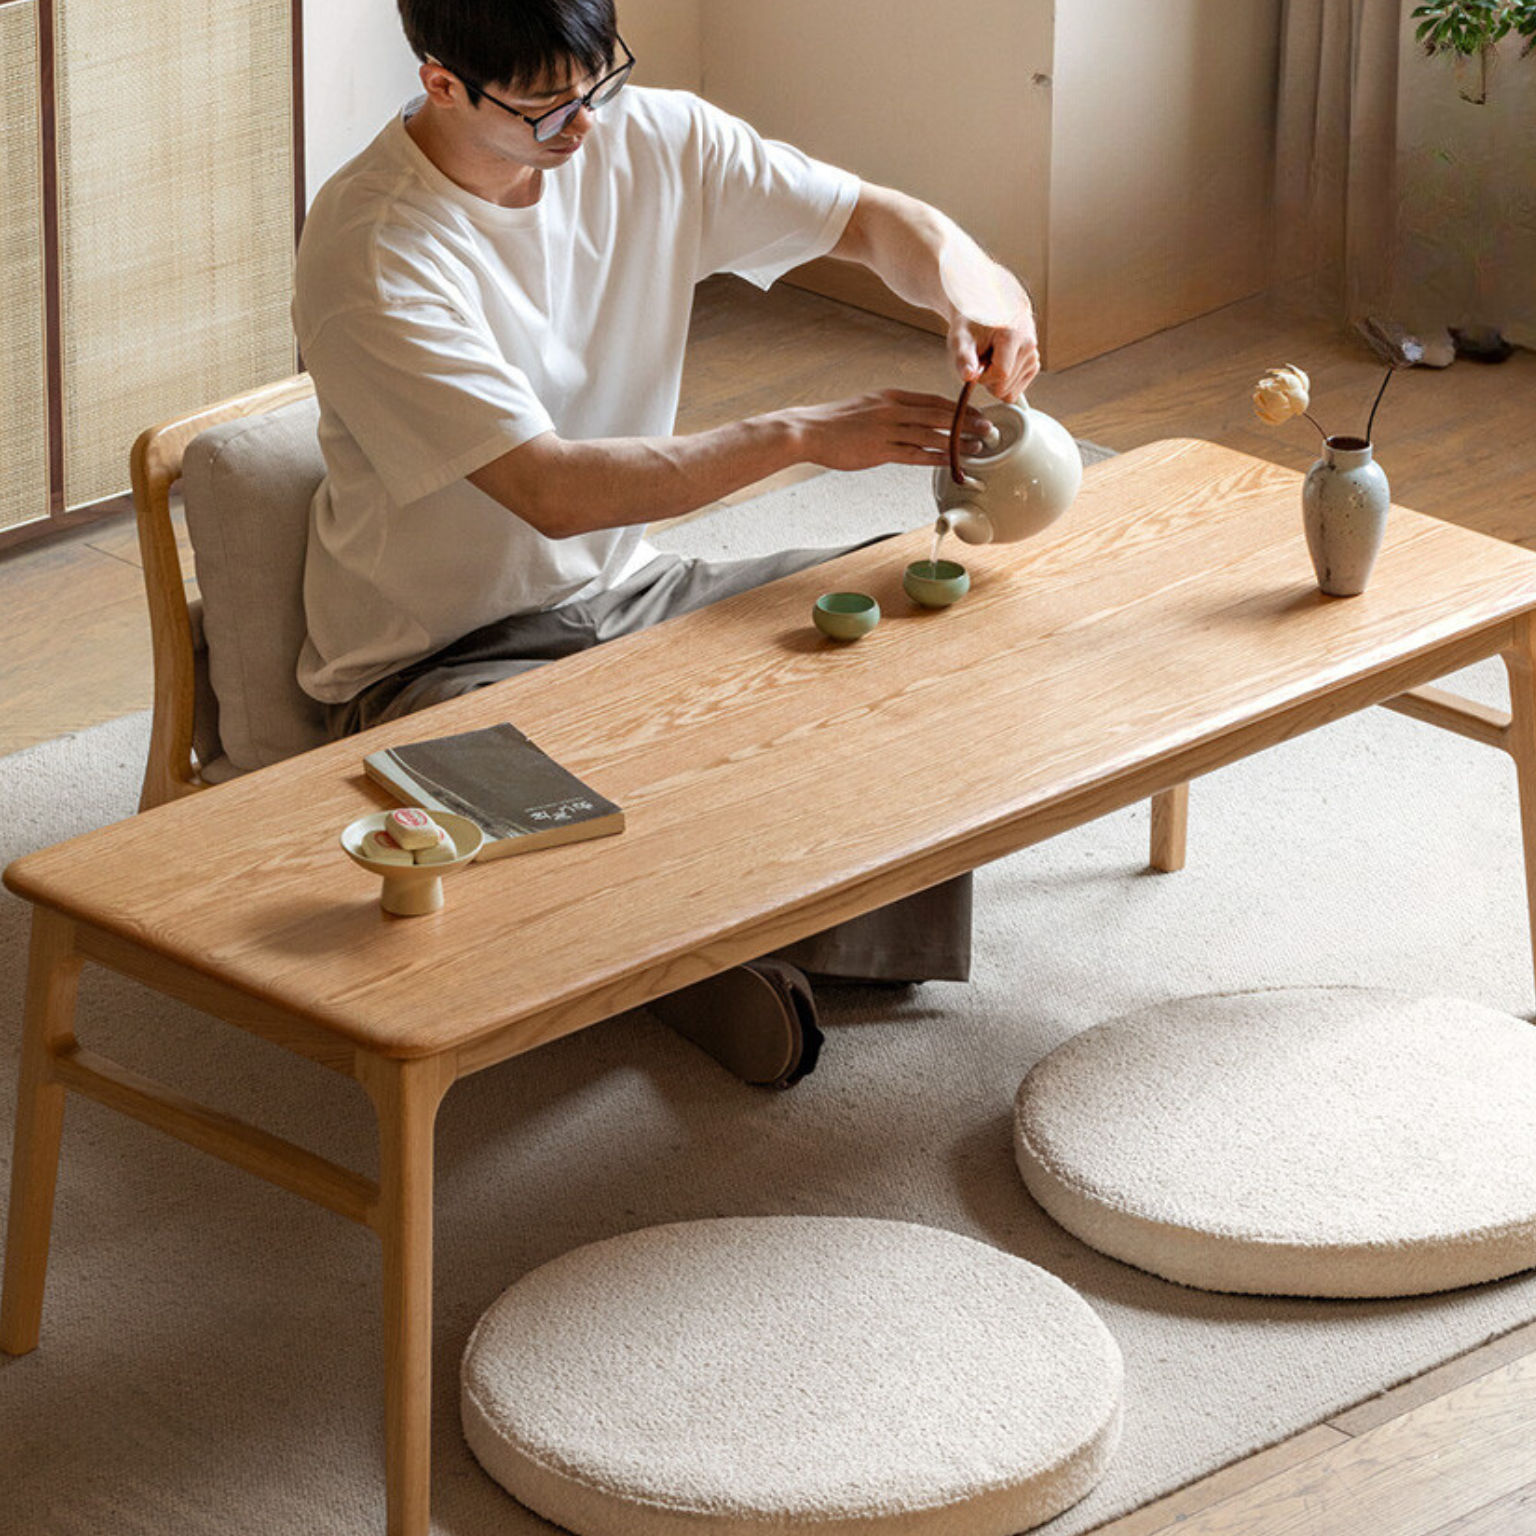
x,y
518,795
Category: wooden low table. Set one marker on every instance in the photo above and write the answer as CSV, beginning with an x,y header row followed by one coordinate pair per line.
x,y
775,783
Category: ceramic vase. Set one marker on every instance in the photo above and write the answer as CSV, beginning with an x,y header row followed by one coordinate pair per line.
x,y
1344,502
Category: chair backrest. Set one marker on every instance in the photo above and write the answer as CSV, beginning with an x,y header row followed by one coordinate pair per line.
x,y
224,677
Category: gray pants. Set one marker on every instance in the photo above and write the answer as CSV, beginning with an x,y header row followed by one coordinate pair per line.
x,y
926,937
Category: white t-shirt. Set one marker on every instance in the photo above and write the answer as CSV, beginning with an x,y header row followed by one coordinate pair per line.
x,y
443,330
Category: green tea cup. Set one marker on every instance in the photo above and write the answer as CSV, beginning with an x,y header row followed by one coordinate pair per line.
x,y
935,583
845,615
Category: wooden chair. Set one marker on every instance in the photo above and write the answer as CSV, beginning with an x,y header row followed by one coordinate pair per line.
x,y
185,705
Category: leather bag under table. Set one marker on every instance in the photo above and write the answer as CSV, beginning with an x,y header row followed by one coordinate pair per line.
x,y
763,1373
1344,1142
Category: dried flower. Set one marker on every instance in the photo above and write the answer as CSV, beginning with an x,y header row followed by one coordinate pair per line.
x,y
1281,394
1286,392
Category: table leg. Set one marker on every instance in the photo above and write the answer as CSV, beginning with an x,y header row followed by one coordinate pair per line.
x,y
52,976
406,1095
1520,663
1170,824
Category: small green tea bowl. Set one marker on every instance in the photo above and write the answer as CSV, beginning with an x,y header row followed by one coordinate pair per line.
x,y
936,583
845,615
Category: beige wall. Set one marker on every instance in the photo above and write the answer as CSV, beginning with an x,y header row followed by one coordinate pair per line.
x,y
357,70
1115,153
909,93
1467,195
665,36
1160,165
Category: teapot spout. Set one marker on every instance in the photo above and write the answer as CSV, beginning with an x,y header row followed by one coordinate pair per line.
x,y
967,524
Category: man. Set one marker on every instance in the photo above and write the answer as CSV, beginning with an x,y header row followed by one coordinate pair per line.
x,y
493,301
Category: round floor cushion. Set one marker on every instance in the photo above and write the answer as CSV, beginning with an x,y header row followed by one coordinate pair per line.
x,y
1308,1142
760,1373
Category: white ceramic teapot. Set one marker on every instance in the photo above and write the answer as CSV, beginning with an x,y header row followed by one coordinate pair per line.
x,y
1025,476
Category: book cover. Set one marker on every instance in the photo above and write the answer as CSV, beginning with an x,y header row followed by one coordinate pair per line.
x,y
518,795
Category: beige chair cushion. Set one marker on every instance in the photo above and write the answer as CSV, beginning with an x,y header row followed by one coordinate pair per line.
x,y
247,486
844,1376
1321,1141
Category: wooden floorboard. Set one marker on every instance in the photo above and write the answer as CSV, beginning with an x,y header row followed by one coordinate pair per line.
x,y
1173,1510
1425,1472
74,641
1434,1383
1445,1455
1513,1515
1295,1463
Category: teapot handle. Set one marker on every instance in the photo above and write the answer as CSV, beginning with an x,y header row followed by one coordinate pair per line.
x,y
955,472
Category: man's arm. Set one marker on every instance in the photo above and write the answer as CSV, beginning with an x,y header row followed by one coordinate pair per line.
x,y
927,259
564,487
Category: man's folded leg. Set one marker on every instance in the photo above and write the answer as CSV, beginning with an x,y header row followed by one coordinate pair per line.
x,y
926,937
759,1020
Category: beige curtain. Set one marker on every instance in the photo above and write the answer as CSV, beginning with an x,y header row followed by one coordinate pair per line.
x,y
1337,150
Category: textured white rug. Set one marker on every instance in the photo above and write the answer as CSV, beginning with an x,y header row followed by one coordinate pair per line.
x,y
210,1355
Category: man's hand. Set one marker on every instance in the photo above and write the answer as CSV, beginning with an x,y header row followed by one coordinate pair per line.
x,y
928,260
992,336
892,427
1001,358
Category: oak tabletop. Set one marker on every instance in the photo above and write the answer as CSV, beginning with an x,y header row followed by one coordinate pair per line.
x,y
774,781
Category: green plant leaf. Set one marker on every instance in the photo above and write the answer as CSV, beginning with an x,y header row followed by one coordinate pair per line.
x,y
1469,26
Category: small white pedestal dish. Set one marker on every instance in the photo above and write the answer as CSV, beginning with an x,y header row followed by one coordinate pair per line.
x,y
413,890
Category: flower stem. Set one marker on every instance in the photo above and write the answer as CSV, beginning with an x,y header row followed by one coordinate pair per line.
x,y
1313,419
1379,393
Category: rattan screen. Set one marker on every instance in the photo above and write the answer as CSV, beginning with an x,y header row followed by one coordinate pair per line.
x,y
176,216
23,362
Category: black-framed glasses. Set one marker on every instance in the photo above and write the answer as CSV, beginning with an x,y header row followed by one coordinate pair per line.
x,y
547,124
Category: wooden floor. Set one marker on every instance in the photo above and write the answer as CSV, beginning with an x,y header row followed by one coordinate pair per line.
x,y
1449,1454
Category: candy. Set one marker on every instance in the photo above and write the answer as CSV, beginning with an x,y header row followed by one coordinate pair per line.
x,y
442,852
413,829
384,849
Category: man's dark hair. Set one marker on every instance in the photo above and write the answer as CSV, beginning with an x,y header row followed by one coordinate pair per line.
x,y
511,43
